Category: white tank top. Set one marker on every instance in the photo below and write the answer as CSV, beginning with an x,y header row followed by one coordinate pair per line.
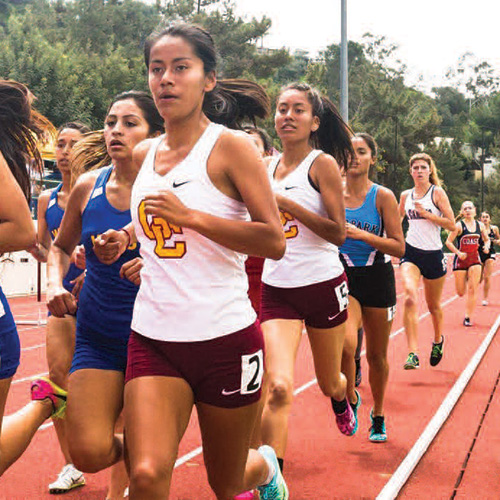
x,y
192,289
308,258
422,233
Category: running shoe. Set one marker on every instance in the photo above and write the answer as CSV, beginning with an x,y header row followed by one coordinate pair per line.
x,y
276,489
468,322
68,479
378,433
437,352
355,408
357,380
485,302
248,495
43,388
346,421
412,362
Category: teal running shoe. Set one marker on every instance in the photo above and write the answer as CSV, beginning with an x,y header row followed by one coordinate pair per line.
x,y
277,488
412,362
378,434
355,411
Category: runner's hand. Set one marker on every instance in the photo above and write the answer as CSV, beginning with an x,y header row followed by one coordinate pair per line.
x,y
110,245
77,285
462,255
78,257
131,270
61,302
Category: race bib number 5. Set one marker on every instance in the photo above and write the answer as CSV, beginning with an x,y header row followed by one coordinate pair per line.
x,y
161,231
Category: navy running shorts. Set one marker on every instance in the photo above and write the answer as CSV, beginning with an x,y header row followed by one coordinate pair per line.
x,y
98,351
431,263
10,348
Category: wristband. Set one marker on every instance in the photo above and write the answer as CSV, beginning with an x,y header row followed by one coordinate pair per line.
x,y
128,235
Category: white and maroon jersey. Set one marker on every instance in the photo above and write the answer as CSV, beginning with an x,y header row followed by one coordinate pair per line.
x,y
308,258
422,233
192,289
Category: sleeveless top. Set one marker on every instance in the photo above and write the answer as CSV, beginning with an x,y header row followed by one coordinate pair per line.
x,y
106,300
357,253
468,241
192,289
308,258
491,236
422,233
53,216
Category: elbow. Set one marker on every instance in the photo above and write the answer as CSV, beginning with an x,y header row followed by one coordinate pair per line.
x,y
400,251
278,248
28,240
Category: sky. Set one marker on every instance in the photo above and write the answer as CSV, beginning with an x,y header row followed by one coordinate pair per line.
x,y
431,34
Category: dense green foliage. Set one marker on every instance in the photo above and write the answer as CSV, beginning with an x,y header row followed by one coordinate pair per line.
x,y
75,55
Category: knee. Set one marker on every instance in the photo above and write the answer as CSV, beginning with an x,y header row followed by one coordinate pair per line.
x,y
90,457
334,386
147,475
410,299
280,392
435,309
377,361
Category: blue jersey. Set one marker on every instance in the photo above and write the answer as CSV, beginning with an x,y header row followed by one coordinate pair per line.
x,y
53,216
357,253
106,300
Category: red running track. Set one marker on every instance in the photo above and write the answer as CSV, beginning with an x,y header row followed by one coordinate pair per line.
x,y
320,463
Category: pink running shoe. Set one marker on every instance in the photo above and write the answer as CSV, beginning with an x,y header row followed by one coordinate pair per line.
x,y
43,388
346,422
248,495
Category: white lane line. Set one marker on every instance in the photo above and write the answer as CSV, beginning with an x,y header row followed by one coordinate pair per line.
x,y
393,486
30,378
32,347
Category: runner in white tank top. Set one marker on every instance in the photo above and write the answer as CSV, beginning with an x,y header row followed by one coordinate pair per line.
x,y
422,232
308,285
176,274
309,258
196,339
428,210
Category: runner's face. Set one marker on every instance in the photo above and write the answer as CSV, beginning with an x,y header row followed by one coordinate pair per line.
x,y
468,210
362,161
124,128
294,120
66,139
485,218
420,171
177,78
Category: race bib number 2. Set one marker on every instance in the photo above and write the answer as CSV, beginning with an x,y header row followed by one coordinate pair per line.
x,y
252,371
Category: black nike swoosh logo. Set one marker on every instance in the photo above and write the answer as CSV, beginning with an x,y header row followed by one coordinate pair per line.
x,y
290,187
179,184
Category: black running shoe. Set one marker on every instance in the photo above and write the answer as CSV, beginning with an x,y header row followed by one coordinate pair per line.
x,y
412,362
357,381
467,321
437,352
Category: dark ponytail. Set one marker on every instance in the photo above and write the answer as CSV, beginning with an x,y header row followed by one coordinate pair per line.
x,y
22,129
333,135
231,101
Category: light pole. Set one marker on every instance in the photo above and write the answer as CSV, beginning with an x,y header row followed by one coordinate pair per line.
x,y
344,84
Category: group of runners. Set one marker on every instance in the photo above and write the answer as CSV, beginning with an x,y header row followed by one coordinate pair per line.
x,y
149,304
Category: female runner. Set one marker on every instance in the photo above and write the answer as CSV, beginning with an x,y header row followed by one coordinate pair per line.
x,y
60,340
373,233
308,285
195,338
99,201
466,263
427,209
20,126
488,258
